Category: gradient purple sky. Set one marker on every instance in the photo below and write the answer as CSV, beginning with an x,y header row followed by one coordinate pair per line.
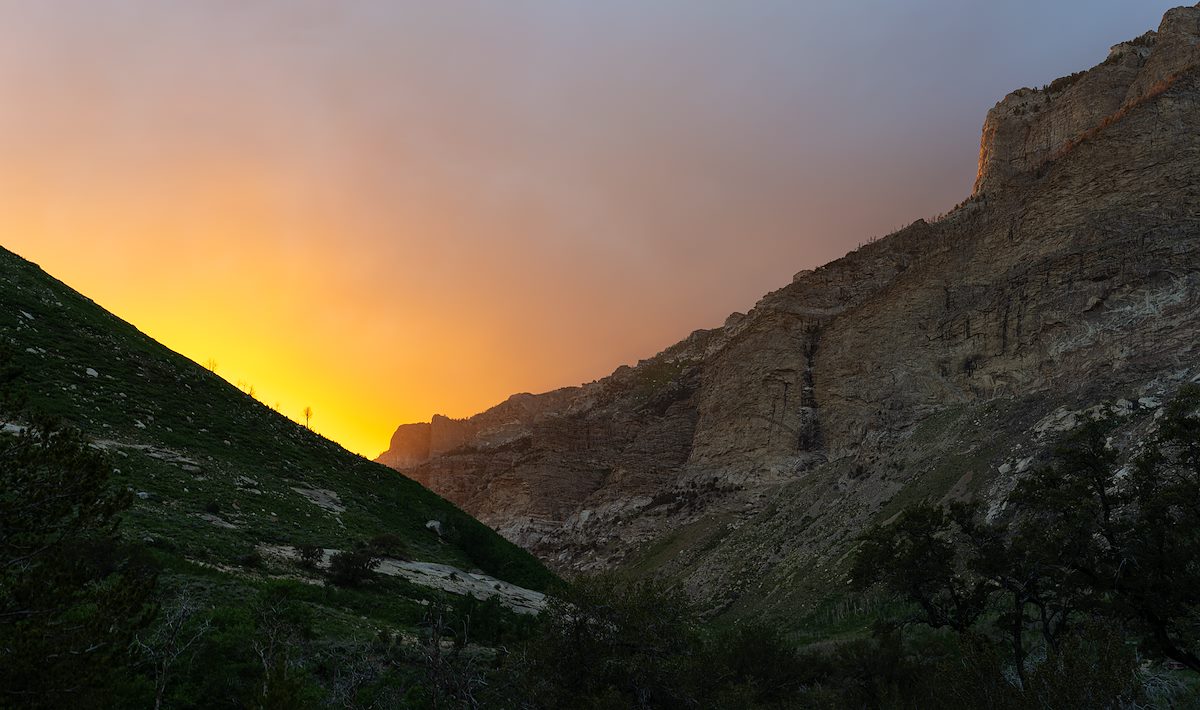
x,y
391,209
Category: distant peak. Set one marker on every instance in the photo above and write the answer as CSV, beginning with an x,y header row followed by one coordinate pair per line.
x,y
1030,127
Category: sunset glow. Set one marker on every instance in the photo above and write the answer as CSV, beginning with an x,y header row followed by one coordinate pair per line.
x,y
388,211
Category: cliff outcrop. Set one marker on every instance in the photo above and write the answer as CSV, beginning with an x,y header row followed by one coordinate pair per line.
x,y
1032,126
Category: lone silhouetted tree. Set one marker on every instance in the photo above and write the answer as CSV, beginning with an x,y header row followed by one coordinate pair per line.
x,y
307,417
181,625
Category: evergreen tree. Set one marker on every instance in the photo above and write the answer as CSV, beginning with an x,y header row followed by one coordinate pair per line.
x,y
71,595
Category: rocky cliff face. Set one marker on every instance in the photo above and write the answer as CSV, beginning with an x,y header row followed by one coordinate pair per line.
x,y
937,362
1033,126
410,445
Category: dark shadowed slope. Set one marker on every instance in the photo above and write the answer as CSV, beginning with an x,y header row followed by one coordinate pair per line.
x,y
220,479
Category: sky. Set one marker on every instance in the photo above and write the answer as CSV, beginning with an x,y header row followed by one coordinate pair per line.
x,y
387,209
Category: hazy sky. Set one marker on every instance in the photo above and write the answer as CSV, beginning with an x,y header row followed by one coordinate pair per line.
x,y
392,209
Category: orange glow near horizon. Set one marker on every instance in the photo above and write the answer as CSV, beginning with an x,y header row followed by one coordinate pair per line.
x,y
387,210
249,270
296,332
297,324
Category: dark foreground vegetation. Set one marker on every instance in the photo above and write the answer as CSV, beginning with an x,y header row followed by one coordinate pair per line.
x,y
1082,591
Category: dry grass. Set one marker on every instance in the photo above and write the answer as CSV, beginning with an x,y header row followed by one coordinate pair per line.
x,y
1157,89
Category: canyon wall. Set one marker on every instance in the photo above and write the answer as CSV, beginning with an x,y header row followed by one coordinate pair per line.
x,y
938,362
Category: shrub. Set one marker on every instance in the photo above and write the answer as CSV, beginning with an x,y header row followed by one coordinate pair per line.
x,y
72,595
350,568
613,643
1063,82
1091,537
971,363
310,555
389,545
250,559
497,556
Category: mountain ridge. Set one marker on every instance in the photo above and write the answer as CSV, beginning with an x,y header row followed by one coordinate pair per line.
x,y
918,366
218,476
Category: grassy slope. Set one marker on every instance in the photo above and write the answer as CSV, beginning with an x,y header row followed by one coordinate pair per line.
x,y
249,458
795,573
